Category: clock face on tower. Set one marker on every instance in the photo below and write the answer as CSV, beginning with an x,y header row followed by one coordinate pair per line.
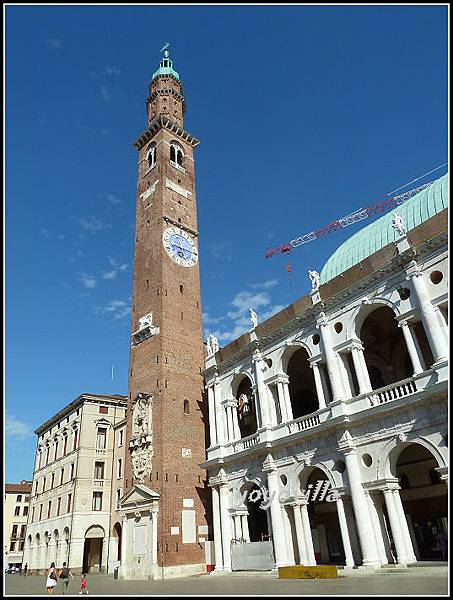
x,y
180,247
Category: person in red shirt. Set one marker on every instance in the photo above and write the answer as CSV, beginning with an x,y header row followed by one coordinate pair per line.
x,y
84,589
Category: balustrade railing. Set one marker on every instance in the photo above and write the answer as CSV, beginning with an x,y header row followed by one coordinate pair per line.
x,y
392,392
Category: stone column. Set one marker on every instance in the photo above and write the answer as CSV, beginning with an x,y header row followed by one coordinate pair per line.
x,y
331,359
344,533
318,384
220,414
276,517
303,559
360,367
289,408
376,526
217,529
226,525
311,560
282,401
212,415
397,534
263,398
229,416
417,345
404,526
245,528
237,527
364,529
411,348
236,428
431,321
154,513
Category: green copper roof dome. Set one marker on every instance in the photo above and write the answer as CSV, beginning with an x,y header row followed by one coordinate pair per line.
x,y
373,237
166,65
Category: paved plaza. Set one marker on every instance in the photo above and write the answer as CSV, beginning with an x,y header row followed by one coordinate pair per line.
x,y
241,585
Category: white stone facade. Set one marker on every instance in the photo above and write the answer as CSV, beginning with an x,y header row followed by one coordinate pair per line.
x,y
355,435
74,485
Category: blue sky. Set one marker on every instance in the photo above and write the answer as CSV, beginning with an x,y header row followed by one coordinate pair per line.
x,y
305,114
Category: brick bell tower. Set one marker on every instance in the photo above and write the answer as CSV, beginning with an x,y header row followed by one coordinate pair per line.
x,y
166,499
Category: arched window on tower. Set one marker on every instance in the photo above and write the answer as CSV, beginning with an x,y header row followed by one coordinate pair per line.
x,y
176,155
151,155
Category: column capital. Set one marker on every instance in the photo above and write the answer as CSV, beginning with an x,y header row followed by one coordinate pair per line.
x,y
229,402
413,270
346,443
269,465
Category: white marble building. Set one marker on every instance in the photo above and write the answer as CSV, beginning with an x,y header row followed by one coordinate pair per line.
x,y
77,484
345,390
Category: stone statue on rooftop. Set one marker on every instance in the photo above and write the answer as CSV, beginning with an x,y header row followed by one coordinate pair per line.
x,y
214,344
253,318
314,276
398,224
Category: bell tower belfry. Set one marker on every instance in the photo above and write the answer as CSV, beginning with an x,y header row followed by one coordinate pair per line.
x,y
166,498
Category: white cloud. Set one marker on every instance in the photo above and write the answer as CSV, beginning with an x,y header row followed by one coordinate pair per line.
x,y
93,225
15,428
55,44
237,319
113,199
116,308
105,93
88,281
112,71
110,275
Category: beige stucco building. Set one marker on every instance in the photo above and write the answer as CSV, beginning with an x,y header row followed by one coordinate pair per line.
x,y
16,507
75,485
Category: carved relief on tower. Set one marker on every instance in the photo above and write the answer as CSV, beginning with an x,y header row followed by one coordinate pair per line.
x,y
141,442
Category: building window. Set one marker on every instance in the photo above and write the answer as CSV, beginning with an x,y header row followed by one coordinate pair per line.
x,y
21,545
119,470
25,513
97,501
43,485
58,506
56,450
176,155
49,509
47,455
22,531
52,481
19,498
27,499
65,448
12,547
36,486
61,475
72,470
186,407
14,532
68,507
33,515
118,497
17,511
101,438
74,444
103,410
151,156
40,512
120,437
99,470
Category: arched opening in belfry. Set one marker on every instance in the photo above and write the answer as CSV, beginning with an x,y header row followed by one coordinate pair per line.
x,y
424,498
248,424
323,516
302,390
257,515
176,154
385,349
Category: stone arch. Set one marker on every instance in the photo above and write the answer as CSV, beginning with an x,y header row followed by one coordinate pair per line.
x,y
237,380
253,495
394,447
355,318
286,352
93,549
242,384
302,473
117,531
301,382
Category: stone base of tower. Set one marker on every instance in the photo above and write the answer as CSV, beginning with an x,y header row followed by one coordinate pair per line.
x,y
142,572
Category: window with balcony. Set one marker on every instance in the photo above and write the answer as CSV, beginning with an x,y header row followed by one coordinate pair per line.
x,y
99,470
101,438
97,501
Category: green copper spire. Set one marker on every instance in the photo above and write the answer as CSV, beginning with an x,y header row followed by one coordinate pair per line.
x,y
166,65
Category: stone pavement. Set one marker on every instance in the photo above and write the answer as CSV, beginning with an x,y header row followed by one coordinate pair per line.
x,y
240,584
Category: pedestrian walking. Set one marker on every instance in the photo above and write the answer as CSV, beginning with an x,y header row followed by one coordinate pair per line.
x,y
65,574
84,588
51,579
25,569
